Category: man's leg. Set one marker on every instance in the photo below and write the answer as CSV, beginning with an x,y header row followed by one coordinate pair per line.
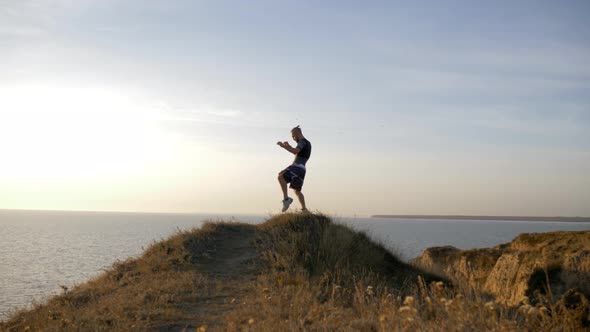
x,y
301,199
283,183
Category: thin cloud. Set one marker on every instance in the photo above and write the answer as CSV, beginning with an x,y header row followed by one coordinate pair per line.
x,y
204,114
224,113
33,18
119,28
558,61
439,82
22,31
567,122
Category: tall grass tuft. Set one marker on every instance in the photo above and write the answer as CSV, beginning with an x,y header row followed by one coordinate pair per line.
x,y
314,244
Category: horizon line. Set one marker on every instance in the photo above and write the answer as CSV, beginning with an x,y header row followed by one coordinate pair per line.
x,y
392,216
482,217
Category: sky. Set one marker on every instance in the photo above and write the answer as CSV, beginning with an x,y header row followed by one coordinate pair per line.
x,y
429,107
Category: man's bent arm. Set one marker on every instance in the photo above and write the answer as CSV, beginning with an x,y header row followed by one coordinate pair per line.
x,y
289,148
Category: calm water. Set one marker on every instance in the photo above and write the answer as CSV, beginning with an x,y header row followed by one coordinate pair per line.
x,y
41,250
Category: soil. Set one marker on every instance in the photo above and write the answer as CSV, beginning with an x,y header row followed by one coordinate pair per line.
x,y
231,265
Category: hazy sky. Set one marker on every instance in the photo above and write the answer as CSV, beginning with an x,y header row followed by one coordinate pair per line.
x,y
441,107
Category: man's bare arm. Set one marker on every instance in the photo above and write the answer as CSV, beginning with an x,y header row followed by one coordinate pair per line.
x,y
288,147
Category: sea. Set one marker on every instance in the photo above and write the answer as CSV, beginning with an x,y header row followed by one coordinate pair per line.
x,y
43,251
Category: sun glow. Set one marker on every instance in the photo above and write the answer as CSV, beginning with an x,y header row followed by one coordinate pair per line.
x,y
52,133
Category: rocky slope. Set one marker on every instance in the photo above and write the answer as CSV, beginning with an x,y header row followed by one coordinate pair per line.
x,y
521,270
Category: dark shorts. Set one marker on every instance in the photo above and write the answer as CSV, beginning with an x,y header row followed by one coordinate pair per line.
x,y
294,175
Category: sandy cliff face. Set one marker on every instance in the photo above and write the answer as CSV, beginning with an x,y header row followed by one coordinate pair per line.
x,y
521,268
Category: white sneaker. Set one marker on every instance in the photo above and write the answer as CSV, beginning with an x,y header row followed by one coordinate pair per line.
x,y
286,202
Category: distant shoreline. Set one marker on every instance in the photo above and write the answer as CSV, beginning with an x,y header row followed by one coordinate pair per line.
x,y
464,217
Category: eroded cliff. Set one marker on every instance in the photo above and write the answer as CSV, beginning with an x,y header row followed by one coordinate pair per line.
x,y
531,266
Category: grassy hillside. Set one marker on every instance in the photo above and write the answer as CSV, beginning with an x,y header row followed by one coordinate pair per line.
x,y
293,272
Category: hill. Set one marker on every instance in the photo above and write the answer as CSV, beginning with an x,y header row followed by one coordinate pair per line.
x,y
293,272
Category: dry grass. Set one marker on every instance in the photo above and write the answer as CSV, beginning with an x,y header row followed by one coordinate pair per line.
x,y
163,289
326,277
311,275
295,304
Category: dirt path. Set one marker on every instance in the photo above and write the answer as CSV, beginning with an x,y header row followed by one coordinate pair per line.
x,y
230,265
233,254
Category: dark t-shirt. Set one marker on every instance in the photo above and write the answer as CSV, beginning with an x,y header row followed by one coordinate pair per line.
x,y
304,153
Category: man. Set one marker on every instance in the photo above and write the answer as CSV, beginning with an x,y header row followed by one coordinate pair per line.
x,y
295,173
